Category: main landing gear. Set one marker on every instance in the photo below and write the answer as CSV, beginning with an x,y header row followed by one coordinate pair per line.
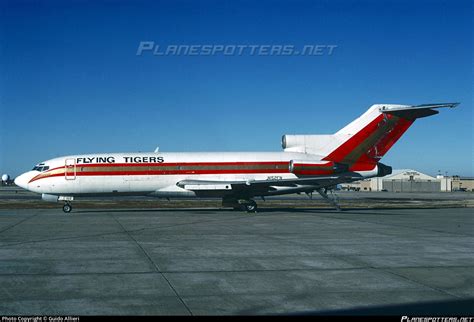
x,y
250,206
67,207
247,205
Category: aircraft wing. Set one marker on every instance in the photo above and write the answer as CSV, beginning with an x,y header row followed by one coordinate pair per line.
x,y
255,187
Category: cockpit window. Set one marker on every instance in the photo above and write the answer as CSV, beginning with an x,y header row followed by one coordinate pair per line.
x,y
40,168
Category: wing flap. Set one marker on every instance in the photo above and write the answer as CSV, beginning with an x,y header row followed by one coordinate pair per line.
x,y
260,186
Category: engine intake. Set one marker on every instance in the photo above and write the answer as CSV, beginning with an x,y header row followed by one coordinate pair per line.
x,y
49,198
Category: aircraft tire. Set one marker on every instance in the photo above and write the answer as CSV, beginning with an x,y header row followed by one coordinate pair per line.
x,y
251,206
67,208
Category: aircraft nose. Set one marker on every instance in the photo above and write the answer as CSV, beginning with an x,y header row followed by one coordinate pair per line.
x,y
22,180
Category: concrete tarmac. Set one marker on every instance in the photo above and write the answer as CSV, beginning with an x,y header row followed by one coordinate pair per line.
x,y
13,197
214,261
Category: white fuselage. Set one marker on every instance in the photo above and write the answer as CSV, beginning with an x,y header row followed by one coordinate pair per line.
x,y
156,174
308,163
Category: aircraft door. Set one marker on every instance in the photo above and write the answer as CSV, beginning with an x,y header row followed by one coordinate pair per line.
x,y
70,169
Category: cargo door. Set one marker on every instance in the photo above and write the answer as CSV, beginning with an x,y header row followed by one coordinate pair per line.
x,y
70,169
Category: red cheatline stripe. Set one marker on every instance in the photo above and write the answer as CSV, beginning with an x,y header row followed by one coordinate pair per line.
x,y
125,172
184,164
313,172
326,164
171,172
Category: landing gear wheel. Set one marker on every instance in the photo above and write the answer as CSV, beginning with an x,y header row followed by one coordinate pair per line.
x,y
67,208
251,206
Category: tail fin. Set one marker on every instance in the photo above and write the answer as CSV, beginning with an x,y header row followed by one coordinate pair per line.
x,y
366,139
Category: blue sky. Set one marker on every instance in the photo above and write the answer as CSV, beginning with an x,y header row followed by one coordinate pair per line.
x,y
71,82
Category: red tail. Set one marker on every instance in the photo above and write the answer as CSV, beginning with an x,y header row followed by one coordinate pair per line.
x,y
362,143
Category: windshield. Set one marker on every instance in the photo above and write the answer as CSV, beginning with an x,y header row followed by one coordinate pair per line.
x,y
40,168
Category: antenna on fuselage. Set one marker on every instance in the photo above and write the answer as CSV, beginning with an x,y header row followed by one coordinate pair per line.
x,y
157,149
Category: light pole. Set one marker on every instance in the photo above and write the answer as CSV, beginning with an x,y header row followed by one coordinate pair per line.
x,y
446,177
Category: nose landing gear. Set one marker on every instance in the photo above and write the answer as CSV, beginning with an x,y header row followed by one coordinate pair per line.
x,y
67,207
67,202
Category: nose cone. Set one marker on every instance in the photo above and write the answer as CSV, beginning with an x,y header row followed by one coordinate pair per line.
x,y
22,180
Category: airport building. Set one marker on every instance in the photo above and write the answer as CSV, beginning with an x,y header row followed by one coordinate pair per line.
x,y
462,183
408,180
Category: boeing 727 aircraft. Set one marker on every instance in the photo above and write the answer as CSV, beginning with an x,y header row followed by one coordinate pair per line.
x,y
308,163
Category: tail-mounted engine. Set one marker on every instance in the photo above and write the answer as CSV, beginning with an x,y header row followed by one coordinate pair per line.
x,y
383,170
305,167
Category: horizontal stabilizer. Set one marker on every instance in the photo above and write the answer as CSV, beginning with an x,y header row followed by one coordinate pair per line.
x,y
415,111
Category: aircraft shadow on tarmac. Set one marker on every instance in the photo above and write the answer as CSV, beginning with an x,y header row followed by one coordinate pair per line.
x,y
345,211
